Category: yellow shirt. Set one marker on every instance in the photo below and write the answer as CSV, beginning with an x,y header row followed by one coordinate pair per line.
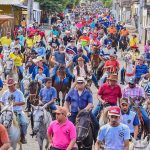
x,y
5,41
37,38
29,42
133,42
17,59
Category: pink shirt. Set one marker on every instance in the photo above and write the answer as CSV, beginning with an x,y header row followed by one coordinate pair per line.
x,y
62,133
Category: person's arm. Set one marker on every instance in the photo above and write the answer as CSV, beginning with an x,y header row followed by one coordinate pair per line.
x,y
98,145
21,100
53,60
72,143
49,135
54,97
126,145
5,146
89,107
67,102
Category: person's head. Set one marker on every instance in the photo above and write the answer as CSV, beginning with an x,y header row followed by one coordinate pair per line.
x,y
84,32
40,70
112,25
17,41
114,115
109,36
134,36
67,33
8,34
124,105
101,34
112,56
72,43
61,114
38,43
148,42
80,51
17,49
54,37
132,82
124,28
61,48
54,45
80,61
112,79
80,83
109,45
48,82
19,32
38,61
11,83
141,60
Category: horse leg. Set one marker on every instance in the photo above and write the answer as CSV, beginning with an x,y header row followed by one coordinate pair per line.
x,y
40,142
20,144
47,143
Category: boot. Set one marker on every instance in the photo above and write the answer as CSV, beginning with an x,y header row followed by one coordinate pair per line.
x,y
23,139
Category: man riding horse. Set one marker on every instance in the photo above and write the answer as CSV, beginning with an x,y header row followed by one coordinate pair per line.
x,y
80,98
83,70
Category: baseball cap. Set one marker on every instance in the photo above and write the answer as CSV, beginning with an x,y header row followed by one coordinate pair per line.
x,y
114,110
80,79
131,80
124,101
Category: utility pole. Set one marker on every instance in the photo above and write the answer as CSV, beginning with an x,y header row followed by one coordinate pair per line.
x,y
140,20
30,12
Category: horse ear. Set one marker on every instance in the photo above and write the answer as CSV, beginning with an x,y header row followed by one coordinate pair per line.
x,y
133,140
145,140
34,107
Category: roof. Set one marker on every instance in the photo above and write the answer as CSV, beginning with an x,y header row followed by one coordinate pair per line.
x,y
10,2
4,18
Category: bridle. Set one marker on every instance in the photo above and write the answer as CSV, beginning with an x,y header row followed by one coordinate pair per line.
x,y
5,118
87,133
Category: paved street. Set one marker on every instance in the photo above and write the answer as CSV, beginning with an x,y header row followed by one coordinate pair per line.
x,y
32,143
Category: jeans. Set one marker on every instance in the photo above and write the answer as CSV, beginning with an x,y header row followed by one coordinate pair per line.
x,y
87,49
94,79
122,74
22,121
20,69
99,108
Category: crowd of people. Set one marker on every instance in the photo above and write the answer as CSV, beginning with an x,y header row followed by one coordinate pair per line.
x,y
83,49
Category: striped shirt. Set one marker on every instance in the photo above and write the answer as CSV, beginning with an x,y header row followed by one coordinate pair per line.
x,y
133,92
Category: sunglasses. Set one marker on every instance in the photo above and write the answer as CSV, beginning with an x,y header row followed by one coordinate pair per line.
x,y
114,116
80,82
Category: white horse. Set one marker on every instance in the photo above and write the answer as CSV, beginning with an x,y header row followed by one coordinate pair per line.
x,y
139,144
9,120
41,120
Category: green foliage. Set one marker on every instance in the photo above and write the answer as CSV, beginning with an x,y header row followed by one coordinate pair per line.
x,y
107,3
57,5
53,5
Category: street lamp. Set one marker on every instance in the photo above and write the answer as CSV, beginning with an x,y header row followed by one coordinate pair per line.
x,y
146,31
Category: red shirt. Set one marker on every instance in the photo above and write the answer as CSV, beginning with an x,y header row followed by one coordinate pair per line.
x,y
114,65
3,135
109,94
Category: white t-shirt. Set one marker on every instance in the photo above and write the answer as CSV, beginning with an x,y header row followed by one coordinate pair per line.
x,y
114,137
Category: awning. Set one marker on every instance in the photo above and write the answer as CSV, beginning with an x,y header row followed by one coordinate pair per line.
x,y
10,2
4,18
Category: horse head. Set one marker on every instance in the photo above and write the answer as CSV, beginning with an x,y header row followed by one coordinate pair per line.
x,y
61,72
40,117
34,87
7,116
83,124
139,144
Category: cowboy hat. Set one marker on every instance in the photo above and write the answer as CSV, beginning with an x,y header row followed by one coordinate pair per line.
x,y
39,58
113,77
10,82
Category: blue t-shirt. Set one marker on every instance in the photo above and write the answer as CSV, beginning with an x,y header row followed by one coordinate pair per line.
x,y
47,94
1,83
59,57
79,102
114,137
140,70
18,97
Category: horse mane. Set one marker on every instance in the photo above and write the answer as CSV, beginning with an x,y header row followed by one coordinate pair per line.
x,y
15,122
83,113
104,116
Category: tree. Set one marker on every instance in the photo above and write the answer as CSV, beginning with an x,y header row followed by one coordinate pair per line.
x,y
53,5
107,3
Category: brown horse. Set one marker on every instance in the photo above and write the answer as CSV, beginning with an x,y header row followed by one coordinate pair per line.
x,y
95,61
62,83
136,103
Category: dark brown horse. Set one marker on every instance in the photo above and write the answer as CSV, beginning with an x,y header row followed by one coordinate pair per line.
x,y
85,132
34,89
62,83
136,103
95,61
